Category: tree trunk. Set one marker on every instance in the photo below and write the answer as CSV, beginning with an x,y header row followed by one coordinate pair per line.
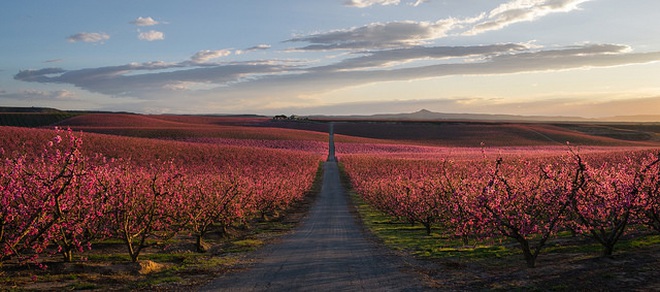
x,y
200,244
608,250
427,226
67,252
132,251
530,259
134,257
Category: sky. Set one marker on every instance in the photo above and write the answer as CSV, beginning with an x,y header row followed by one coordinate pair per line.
x,y
586,58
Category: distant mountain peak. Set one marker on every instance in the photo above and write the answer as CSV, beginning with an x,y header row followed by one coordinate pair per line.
x,y
423,114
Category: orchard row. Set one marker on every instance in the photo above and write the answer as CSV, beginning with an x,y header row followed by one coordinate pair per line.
x,y
62,198
528,199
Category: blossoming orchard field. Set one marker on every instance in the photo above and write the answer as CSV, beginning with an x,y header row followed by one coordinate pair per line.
x,y
126,201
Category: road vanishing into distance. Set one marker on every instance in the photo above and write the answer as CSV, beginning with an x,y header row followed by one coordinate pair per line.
x,y
329,251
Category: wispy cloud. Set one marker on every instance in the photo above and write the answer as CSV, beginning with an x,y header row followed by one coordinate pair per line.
x,y
247,80
388,58
207,55
151,35
367,3
320,80
150,80
260,47
419,2
40,75
399,34
33,94
521,10
378,36
88,37
144,21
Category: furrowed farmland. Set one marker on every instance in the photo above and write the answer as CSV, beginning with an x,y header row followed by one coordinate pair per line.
x,y
471,205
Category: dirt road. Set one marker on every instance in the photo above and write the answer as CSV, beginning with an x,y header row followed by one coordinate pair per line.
x,y
328,252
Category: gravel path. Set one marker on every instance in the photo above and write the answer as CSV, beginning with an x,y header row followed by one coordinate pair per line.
x,y
328,252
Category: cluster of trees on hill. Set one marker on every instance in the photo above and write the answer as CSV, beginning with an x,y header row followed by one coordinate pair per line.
x,y
289,118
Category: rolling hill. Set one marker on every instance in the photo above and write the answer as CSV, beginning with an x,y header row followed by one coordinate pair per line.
x,y
422,128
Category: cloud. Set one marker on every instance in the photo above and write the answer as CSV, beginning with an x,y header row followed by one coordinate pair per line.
x,y
144,21
40,75
367,3
399,34
151,35
177,86
521,10
33,94
419,2
88,37
319,80
386,58
207,55
53,61
260,47
150,80
378,36
253,82
61,94
589,55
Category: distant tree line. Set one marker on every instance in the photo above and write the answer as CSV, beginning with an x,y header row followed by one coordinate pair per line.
x,y
289,118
